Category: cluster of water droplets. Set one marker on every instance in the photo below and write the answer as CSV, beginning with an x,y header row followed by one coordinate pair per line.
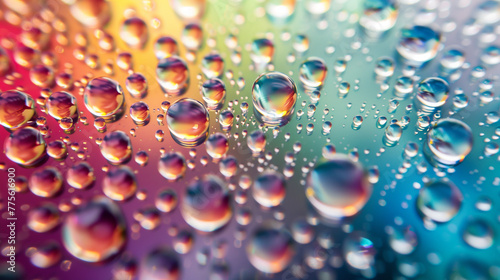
x,y
253,179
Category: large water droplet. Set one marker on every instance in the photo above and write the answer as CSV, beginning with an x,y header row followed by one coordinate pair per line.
x,y
449,141
16,109
192,37
166,46
189,9
172,166
188,122
432,92
134,32
439,201
43,218
25,146
172,74
478,234
262,52
256,141
379,15
274,96
217,145
418,44
313,72
213,92
80,175
104,98
270,248
94,231
338,187
119,184
206,204
280,10
269,188
212,65
116,147
91,13
61,105
359,251
161,264
137,85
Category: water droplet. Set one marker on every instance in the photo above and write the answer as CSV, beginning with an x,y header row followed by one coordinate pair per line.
x,y
137,85
449,141
212,65
91,13
313,72
61,105
384,67
217,145
16,109
188,122
172,166
213,92
359,251
57,150
478,234
228,166
256,141
274,96
42,76
302,231
453,59
192,37
166,46
488,12
226,119
439,201
46,182
269,188
183,242
148,217
392,134
80,175
104,98
172,74
419,44
432,92
338,187
139,112
25,146
43,218
190,10
134,32
26,56
379,15
403,241
46,255
318,7
301,43
262,52
270,248
116,147
206,204
161,264
94,231
166,201
280,10
119,184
